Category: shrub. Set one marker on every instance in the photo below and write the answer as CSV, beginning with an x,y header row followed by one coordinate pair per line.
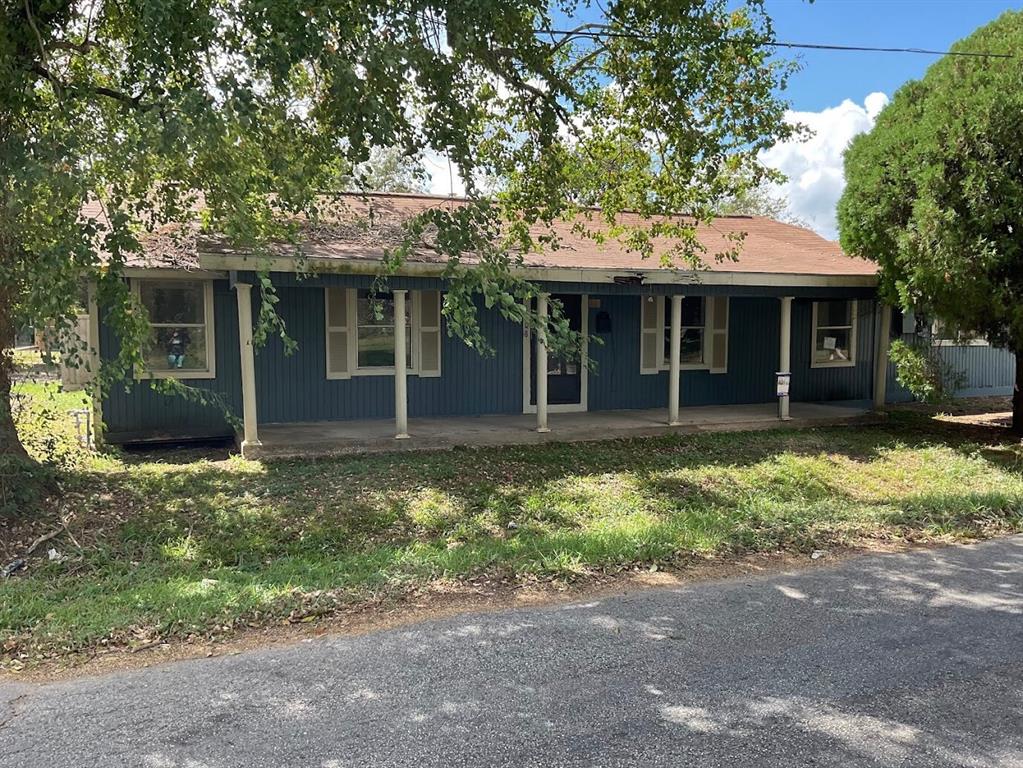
x,y
921,369
45,428
47,432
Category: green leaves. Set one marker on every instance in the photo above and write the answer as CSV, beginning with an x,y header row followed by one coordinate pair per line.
x,y
924,372
253,110
935,191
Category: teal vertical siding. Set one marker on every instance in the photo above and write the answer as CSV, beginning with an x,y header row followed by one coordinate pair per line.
x,y
615,381
752,358
820,384
134,410
295,388
988,372
753,349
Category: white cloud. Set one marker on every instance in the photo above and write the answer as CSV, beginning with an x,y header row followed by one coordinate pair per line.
x,y
814,167
445,178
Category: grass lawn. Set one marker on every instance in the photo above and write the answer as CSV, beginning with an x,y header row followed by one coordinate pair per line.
x,y
174,545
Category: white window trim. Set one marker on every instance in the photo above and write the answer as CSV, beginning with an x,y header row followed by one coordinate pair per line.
x,y
411,304
854,319
969,341
352,330
664,363
960,343
584,370
703,365
208,316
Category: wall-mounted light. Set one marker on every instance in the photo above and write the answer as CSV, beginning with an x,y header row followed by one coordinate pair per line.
x,y
628,279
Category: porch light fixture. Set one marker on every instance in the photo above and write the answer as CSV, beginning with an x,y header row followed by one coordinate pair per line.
x,y
628,279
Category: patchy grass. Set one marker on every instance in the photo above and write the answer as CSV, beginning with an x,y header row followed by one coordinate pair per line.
x,y
174,545
41,411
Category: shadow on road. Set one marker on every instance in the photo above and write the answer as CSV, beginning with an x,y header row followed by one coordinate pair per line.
x,y
893,660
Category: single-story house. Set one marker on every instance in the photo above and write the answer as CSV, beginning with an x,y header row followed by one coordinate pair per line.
x,y
669,340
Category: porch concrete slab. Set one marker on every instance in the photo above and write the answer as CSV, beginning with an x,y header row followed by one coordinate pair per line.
x,y
377,435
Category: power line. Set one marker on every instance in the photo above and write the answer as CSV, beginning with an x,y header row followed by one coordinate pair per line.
x,y
613,33
608,33
824,47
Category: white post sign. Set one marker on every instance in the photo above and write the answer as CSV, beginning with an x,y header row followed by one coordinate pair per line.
x,y
782,383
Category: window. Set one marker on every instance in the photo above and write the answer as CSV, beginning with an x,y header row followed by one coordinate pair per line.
x,y
834,334
360,333
374,336
945,334
704,337
693,324
181,328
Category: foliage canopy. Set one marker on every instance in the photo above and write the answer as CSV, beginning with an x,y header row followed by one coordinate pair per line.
x,y
935,191
261,107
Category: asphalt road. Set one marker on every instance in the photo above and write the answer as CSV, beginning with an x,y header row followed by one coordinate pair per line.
x,y
891,660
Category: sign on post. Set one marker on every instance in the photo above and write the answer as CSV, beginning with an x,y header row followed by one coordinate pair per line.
x,y
782,383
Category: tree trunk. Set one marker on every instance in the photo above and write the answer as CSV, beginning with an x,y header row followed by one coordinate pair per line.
x,y
1017,396
10,443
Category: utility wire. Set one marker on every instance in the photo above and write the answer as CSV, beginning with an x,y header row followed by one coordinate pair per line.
x,y
605,33
780,44
824,47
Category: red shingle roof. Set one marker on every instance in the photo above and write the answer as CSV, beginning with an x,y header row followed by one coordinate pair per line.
x,y
769,246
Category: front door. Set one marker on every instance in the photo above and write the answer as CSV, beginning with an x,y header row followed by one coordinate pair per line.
x,y
564,377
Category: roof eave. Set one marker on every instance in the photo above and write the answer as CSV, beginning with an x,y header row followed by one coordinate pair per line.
x,y
222,262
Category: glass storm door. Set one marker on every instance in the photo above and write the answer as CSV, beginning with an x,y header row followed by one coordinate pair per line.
x,y
564,377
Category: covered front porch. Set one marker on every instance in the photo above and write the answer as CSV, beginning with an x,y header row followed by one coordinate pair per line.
x,y
378,435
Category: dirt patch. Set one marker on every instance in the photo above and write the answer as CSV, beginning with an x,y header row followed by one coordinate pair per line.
x,y
1002,420
978,418
437,601
981,411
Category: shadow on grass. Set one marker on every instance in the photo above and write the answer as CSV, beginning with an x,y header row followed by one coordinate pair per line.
x,y
777,481
868,663
182,545
186,452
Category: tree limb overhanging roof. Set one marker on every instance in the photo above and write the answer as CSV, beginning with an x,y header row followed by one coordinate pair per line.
x,y
373,223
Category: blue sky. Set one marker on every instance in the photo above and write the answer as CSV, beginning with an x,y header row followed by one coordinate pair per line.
x,y
839,93
828,77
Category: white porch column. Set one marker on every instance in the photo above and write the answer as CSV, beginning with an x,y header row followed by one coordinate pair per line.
x,y
884,331
400,368
675,360
541,364
94,365
250,436
785,355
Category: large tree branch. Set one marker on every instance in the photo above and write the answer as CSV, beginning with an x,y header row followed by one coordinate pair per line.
x,y
496,66
39,39
583,62
589,31
135,102
68,45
